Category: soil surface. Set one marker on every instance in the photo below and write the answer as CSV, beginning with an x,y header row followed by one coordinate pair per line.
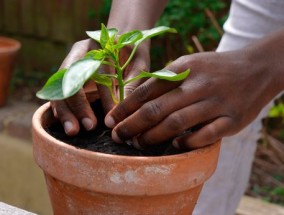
x,y
100,139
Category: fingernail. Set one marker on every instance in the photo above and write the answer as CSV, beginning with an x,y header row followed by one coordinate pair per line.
x,y
109,121
87,123
115,137
68,126
176,144
136,144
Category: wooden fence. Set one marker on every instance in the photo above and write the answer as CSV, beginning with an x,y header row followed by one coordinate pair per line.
x,y
47,28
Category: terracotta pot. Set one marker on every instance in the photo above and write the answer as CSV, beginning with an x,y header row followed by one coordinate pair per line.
x,y
85,182
8,51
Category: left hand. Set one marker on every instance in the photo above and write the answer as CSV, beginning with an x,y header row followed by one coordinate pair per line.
x,y
224,92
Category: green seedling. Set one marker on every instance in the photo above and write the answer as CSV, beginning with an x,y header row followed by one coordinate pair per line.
x,y
68,81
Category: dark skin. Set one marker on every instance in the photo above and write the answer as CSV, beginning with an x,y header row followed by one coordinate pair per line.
x,y
139,15
77,108
224,92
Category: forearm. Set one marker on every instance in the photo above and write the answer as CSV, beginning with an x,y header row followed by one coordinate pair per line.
x,y
127,15
268,55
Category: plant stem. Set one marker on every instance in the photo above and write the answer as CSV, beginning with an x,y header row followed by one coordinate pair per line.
x,y
113,96
120,83
130,57
119,72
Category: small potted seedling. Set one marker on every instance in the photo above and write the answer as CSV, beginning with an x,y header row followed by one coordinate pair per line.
x,y
81,181
66,82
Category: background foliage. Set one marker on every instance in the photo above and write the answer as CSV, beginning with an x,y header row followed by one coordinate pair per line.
x,y
190,19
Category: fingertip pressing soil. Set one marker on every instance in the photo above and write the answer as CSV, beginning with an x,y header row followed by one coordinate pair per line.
x,y
100,139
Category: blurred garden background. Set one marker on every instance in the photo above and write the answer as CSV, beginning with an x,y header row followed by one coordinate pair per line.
x,y
47,30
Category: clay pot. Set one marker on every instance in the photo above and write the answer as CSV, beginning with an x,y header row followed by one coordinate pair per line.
x,y
8,51
85,182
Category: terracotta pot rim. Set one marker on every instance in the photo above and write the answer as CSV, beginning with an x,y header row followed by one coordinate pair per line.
x,y
87,153
12,45
107,173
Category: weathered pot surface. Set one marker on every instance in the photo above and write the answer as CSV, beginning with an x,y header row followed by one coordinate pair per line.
x,y
85,182
8,51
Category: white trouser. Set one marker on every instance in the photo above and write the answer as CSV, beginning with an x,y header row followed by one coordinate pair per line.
x,y
248,21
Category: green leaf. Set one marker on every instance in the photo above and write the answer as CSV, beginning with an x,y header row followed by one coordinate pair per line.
x,y
78,74
96,54
103,79
106,80
104,36
96,35
161,74
110,46
52,90
147,34
129,38
165,75
277,110
112,32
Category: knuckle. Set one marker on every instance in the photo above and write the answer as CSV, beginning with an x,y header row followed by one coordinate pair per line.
x,y
192,61
182,59
141,65
129,88
60,110
76,45
142,93
176,122
120,112
184,62
79,44
151,111
213,132
79,105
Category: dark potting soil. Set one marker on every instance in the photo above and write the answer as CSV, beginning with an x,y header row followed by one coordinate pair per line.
x,y
100,139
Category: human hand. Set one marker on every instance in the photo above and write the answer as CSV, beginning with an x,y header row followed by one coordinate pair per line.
x,y
224,92
77,108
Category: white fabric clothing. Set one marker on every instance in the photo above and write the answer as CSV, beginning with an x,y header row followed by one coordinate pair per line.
x,y
248,21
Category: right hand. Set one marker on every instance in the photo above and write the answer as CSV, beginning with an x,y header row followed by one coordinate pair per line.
x,y
77,108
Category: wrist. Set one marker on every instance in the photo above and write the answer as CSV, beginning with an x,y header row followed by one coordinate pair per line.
x,y
127,15
266,56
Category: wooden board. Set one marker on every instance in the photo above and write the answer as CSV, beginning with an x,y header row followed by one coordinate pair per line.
x,y
252,206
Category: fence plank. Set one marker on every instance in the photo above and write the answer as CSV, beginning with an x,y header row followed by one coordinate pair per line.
x,y
62,20
85,17
79,10
1,15
11,15
43,18
47,28
27,19
41,56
